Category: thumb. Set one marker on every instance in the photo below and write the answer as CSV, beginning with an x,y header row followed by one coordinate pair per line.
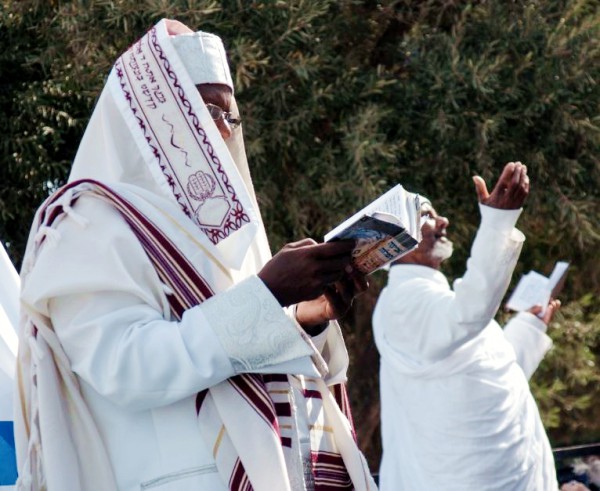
x,y
481,189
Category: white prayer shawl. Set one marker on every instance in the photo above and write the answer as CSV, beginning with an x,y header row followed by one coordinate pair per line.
x,y
9,313
457,412
169,180
151,111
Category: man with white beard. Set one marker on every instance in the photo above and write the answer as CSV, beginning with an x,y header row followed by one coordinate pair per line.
x,y
456,409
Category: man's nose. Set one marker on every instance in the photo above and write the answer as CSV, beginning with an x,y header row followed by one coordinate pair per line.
x,y
224,128
442,222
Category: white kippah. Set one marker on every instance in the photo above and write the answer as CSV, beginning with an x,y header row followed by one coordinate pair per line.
x,y
423,200
203,55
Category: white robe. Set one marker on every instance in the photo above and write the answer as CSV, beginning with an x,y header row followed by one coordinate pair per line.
x,y
457,412
139,372
116,375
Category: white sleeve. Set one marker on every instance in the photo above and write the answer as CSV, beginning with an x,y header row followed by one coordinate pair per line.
x,y
527,335
426,321
494,255
110,312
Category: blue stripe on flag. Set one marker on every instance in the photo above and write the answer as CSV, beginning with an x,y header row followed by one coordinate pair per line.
x,y
8,459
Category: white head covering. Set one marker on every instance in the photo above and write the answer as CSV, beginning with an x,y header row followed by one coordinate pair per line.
x,y
151,130
203,55
152,140
424,200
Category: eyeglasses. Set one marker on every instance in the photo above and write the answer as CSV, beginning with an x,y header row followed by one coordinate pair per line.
x,y
218,114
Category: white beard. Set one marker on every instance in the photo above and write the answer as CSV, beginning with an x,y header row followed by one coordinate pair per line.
x,y
442,250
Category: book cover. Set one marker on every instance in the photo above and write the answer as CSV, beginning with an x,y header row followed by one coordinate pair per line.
x,y
384,230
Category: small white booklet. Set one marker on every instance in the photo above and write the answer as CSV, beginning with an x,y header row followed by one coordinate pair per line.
x,y
384,230
535,289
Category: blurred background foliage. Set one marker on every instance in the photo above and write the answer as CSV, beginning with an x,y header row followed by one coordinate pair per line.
x,y
340,101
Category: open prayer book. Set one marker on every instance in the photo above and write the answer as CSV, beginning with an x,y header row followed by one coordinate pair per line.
x,y
535,289
384,230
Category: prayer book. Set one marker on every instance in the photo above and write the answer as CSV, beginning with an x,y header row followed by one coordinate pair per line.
x,y
384,230
536,289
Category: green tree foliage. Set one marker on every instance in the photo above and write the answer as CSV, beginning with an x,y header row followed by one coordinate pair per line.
x,y
341,100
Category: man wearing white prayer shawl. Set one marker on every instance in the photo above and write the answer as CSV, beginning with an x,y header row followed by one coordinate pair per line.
x,y
456,409
156,347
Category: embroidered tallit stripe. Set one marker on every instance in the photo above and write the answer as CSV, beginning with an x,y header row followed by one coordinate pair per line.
x,y
239,479
340,394
308,394
268,378
171,265
251,387
327,429
218,441
279,391
197,242
190,286
190,289
330,472
283,409
238,216
146,79
200,399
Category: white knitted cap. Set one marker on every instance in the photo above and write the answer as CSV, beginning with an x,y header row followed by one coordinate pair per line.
x,y
203,55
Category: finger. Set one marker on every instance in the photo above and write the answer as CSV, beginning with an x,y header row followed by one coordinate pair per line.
x,y
507,174
553,306
345,288
332,249
361,284
517,172
300,243
524,175
339,264
329,277
535,310
525,183
337,302
480,189
517,187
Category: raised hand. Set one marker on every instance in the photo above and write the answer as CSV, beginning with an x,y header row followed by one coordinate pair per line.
x,y
301,270
510,191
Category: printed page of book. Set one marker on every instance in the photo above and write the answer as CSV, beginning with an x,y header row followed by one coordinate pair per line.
x,y
535,289
384,230
532,289
391,202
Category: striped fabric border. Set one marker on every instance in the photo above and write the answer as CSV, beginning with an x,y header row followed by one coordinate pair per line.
x,y
239,479
340,394
173,268
252,388
190,289
279,390
330,472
